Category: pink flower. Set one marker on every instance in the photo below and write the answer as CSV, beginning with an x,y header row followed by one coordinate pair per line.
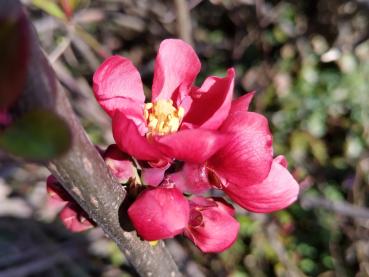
x,y
159,213
73,217
212,227
181,120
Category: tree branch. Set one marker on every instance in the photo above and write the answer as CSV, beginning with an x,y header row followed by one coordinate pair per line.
x,y
83,172
341,208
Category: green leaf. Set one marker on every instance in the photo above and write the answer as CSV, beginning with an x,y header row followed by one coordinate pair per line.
x,y
37,135
50,7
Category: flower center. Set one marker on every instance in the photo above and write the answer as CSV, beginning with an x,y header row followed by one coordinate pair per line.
x,y
162,117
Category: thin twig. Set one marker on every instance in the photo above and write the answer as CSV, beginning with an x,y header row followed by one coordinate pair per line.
x,y
184,27
341,208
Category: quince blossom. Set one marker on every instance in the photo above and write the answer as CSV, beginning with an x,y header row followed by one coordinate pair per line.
x,y
188,140
181,120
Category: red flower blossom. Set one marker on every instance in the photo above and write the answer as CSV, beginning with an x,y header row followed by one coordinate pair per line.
x,y
212,227
181,120
159,213
72,216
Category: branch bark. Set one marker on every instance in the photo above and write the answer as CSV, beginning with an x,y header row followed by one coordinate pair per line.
x,y
83,172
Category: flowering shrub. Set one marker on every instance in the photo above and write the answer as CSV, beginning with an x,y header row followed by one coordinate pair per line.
x,y
187,142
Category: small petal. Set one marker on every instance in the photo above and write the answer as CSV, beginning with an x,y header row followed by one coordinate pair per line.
x,y
176,65
56,192
191,179
130,140
153,176
242,103
191,145
159,213
281,160
276,192
212,228
211,103
117,84
119,163
75,219
248,155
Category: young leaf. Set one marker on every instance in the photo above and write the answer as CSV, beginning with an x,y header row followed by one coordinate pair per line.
x,y
37,135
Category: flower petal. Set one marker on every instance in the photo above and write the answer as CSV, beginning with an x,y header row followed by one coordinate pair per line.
x,y
211,228
159,213
130,140
153,176
276,192
212,102
248,155
242,103
117,83
176,65
191,179
119,163
75,219
191,145
56,193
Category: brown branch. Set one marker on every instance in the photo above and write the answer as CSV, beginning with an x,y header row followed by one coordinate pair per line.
x,y
83,172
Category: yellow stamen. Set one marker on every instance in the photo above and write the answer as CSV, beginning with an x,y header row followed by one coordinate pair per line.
x,y
162,117
153,242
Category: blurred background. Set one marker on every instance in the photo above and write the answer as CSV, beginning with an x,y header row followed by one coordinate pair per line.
x,y
308,61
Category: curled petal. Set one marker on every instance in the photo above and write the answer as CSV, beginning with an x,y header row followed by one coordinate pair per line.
x,y
276,192
211,227
248,155
191,145
176,67
119,163
191,179
75,219
128,137
159,213
242,103
211,103
117,83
